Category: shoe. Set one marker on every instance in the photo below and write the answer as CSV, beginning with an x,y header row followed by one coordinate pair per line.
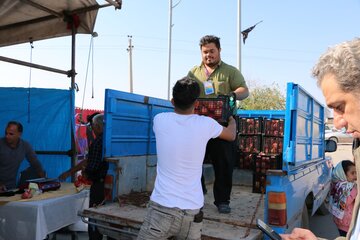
x,y
224,208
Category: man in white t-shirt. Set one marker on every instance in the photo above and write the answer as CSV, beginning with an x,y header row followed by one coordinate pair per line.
x,y
181,137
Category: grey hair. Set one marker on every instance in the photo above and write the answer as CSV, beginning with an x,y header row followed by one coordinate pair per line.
x,y
98,120
343,61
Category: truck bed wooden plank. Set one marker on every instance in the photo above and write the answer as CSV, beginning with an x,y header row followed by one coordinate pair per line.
x,y
124,215
245,207
239,224
223,231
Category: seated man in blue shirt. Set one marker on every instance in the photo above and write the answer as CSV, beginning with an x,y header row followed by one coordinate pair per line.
x,y
13,150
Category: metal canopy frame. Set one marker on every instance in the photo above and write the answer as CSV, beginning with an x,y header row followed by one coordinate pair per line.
x,y
68,17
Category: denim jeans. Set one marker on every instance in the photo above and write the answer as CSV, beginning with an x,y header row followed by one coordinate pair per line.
x,y
162,222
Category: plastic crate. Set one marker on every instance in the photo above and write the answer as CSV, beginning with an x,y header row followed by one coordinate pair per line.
x,y
272,145
246,160
262,163
259,183
249,143
217,108
250,125
274,127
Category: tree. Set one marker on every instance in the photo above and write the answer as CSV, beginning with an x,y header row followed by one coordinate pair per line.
x,y
264,98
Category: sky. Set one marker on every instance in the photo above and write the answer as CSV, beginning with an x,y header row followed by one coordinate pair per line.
x,y
282,48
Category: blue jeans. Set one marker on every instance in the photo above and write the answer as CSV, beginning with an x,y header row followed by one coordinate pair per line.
x,y
162,222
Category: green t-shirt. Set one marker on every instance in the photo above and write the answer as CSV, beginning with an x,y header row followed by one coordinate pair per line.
x,y
224,79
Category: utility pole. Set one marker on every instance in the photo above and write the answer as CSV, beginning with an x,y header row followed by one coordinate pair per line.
x,y
129,49
170,33
239,35
169,57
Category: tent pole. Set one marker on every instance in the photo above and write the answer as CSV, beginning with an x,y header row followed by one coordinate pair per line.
x,y
72,96
73,73
33,65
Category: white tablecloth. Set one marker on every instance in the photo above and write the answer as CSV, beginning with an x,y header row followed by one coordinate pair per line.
x,y
34,220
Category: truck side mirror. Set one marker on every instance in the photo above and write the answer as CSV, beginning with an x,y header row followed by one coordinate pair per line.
x,y
330,145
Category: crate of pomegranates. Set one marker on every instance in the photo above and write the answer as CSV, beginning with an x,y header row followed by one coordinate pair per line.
x,y
218,108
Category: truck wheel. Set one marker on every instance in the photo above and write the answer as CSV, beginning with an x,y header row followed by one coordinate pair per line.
x,y
305,218
324,208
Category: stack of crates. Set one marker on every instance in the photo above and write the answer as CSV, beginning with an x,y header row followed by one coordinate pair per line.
x,y
260,146
273,136
249,140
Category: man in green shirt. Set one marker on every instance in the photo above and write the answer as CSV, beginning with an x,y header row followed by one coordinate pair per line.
x,y
218,78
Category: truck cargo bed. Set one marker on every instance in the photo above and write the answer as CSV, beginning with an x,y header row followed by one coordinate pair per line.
x,y
239,224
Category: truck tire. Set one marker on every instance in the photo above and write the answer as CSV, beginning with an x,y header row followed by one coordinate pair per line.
x,y
334,139
305,217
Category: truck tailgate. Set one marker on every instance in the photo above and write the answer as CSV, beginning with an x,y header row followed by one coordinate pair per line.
x,y
239,224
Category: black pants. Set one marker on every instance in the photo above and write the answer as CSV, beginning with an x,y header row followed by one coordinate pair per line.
x,y
222,155
342,233
97,196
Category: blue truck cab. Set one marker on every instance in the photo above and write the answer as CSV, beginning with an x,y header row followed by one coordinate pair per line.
x,y
300,186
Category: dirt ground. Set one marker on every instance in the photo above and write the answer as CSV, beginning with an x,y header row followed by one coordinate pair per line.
x,y
343,152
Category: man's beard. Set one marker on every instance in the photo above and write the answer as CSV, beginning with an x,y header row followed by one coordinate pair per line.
x,y
212,64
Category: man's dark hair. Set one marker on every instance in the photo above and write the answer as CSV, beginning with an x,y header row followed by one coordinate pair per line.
x,y
17,124
210,39
185,92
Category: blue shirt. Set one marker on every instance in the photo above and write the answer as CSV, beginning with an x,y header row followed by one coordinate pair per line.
x,y
11,158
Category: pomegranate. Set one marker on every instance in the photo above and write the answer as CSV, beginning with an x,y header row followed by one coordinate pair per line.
x,y
27,194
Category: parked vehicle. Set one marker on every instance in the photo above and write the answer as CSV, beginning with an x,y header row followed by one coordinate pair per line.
x,y
339,136
297,189
288,164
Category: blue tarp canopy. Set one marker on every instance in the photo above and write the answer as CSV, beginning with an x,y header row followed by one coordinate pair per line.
x,y
48,119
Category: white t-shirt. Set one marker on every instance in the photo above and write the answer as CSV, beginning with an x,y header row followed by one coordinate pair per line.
x,y
180,144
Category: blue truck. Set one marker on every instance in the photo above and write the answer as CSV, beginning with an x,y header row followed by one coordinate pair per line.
x,y
293,190
298,189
